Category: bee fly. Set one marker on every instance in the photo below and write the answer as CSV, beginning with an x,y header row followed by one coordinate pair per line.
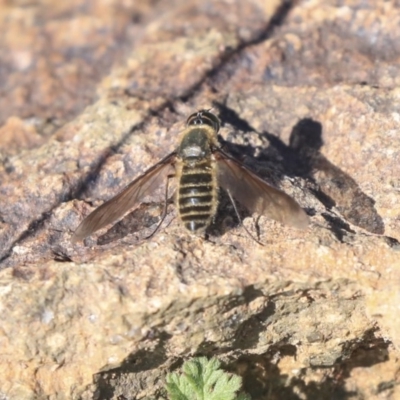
x,y
200,167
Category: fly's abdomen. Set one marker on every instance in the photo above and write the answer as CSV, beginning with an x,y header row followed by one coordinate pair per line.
x,y
197,194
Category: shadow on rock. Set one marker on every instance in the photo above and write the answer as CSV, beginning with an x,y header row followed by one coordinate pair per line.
x,y
335,187
302,158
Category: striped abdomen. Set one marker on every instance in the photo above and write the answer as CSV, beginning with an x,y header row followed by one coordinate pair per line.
x,y
197,194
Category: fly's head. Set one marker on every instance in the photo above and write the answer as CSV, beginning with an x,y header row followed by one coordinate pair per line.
x,y
204,117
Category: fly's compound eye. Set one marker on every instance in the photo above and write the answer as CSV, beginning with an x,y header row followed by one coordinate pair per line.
x,y
204,117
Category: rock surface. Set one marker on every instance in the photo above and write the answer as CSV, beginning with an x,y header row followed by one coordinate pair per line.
x,y
308,94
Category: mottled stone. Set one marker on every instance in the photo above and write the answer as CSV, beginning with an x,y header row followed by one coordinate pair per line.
x,y
309,99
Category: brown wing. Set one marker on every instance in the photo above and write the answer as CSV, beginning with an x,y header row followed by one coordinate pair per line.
x,y
130,197
256,194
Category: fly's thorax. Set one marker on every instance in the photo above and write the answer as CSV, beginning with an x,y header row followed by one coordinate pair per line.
x,y
196,142
197,180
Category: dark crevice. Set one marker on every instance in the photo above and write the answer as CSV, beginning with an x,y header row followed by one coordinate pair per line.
x,y
276,20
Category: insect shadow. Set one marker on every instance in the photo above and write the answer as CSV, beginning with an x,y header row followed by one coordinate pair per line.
x,y
332,186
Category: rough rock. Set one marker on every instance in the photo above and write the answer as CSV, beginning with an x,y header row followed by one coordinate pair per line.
x,y
309,99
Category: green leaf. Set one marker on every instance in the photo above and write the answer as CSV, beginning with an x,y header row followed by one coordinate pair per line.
x,y
201,379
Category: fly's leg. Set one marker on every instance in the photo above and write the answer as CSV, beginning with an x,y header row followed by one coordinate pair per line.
x,y
164,213
240,219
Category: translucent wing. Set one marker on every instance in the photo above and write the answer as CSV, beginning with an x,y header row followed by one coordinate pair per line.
x,y
256,194
130,197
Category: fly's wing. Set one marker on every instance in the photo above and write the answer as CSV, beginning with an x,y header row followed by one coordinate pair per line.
x,y
130,197
256,194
